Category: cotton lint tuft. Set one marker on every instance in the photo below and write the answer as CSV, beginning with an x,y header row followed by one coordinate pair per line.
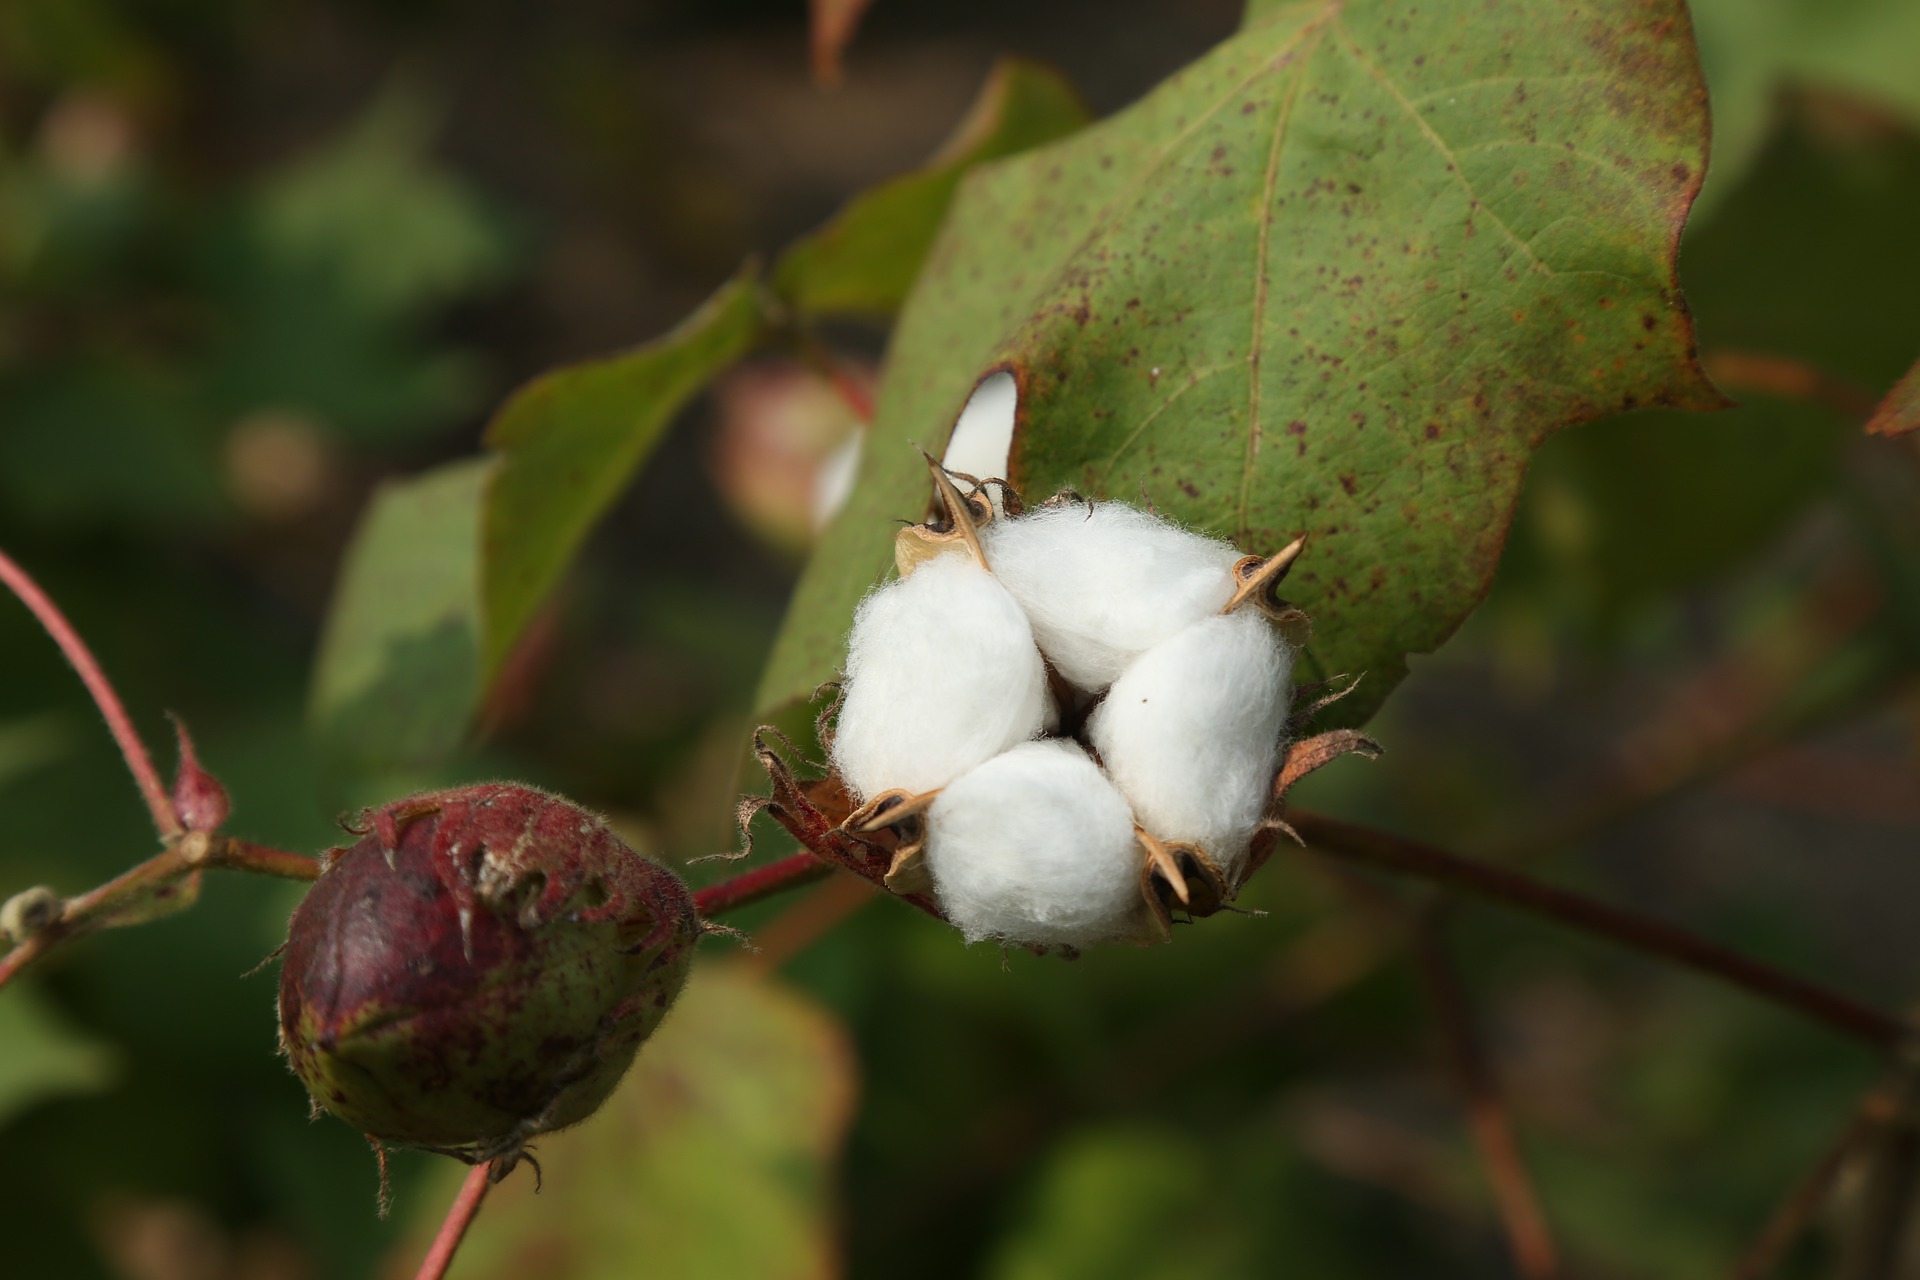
x,y
1035,846
1191,732
982,439
942,674
1101,585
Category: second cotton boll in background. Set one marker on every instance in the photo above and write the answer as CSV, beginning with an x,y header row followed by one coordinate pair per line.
x,y
1036,846
942,674
1102,583
1191,732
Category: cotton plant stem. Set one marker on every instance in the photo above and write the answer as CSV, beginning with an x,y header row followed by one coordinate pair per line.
x,y
1743,372
1791,1216
1529,1238
749,887
139,763
1636,932
152,880
460,1216
1878,1237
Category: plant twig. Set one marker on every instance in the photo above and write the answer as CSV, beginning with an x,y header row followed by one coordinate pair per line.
x,y
1639,933
167,875
139,763
460,1216
1791,1215
1879,1235
1788,378
762,882
1529,1238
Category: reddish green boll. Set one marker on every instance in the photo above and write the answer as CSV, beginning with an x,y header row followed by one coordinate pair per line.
x,y
480,968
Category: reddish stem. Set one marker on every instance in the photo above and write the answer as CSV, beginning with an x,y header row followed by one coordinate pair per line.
x,y
1639,933
1789,379
460,1216
77,653
21,956
1529,1238
761,882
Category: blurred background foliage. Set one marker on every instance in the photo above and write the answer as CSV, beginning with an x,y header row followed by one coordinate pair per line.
x,y
256,259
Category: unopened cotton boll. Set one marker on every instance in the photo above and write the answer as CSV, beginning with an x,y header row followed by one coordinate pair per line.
x,y
942,674
1191,732
1036,846
1105,583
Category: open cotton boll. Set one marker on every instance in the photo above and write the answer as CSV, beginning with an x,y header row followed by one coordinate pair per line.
x,y
942,674
1103,585
1036,846
1191,732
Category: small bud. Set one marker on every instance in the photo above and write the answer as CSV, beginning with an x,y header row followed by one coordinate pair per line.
x,y
480,968
198,798
29,912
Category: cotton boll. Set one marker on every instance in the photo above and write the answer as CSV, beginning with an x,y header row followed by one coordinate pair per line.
x,y
983,437
1036,846
1103,585
942,674
1191,732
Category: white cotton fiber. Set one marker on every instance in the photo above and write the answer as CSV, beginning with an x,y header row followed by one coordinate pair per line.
x,y
1036,846
942,674
1191,732
1102,585
982,439
833,482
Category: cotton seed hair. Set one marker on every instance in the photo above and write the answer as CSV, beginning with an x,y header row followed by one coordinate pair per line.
x,y
942,675
1103,583
1191,733
1036,846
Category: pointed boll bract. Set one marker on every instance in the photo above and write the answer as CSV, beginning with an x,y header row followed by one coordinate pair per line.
x,y
942,675
1102,584
1191,733
1036,846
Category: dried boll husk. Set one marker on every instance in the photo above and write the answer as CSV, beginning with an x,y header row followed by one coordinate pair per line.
x,y
1036,846
1191,733
478,969
942,674
1102,582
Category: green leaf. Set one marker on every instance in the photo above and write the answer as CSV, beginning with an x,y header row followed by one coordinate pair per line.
x,y
1340,276
864,260
713,1159
571,440
390,231
45,1057
399,668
